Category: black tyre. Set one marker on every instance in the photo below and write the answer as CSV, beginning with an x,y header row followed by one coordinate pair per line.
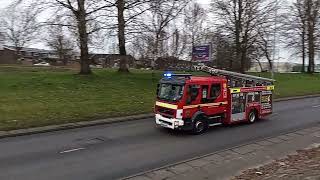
x,y
199,126
252,117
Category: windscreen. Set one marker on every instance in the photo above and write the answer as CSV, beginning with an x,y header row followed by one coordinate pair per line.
x,y
170,92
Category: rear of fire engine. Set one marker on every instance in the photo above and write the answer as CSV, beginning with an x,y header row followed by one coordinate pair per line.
x,y
186,102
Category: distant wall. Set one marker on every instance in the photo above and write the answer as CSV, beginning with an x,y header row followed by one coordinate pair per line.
x,y
8,57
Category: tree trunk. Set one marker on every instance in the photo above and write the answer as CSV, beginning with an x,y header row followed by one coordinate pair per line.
x,y
311,37
121,37
155,56
238,29
18,53
311,49
303,49
238,49
260,65
231,58
311,53
155,52
83,37
270,66
243,61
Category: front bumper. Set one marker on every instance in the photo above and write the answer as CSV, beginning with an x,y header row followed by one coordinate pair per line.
x,y
171,123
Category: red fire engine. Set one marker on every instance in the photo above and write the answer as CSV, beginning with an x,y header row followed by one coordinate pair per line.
x,y
186,102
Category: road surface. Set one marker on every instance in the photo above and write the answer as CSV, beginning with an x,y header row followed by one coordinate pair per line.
x,y
116,150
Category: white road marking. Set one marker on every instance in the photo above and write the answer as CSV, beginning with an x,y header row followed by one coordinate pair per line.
x,y
316,106
71,150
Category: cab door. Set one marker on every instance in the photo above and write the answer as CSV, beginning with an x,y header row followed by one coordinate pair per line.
x,y
212,99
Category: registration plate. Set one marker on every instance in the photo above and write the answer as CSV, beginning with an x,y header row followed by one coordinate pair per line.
x,y
164,125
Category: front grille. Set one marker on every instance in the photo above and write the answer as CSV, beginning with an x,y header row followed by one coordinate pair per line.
x,y
169,113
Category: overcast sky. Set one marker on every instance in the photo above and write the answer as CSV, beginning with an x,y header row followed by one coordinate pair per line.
x,y
6,2
283,52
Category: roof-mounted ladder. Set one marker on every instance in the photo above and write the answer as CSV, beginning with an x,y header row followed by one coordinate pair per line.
x,y
237,77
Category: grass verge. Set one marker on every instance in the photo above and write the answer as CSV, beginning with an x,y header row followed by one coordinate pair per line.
x,y
33,97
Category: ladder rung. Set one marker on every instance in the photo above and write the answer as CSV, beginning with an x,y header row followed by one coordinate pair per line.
x,y
235,75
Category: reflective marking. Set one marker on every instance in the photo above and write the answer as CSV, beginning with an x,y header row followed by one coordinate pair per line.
x,y
166,105
206,105
71,150
235,90
270,88
316,106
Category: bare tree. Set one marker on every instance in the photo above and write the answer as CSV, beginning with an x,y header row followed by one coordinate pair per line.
x,y
222,48
121,36
240,20
162,13
21,26
265,45
294,29
80,13
194,18
82,17
301,30
265,48
128,15
142,46
125,23
312,16
60,43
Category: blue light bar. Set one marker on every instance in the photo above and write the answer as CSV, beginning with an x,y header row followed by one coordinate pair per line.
x,y
168,75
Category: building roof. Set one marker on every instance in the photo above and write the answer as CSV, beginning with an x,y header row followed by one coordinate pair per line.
x,y
30,50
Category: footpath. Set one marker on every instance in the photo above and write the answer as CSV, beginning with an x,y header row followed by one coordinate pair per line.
x,y
289,156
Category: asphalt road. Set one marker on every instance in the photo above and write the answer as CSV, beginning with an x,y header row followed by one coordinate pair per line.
x,y
122,149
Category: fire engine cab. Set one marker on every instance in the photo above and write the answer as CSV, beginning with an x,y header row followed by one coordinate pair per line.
x,y
186,102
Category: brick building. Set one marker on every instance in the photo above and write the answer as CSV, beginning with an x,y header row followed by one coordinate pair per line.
x,y
111,60
29,56
7,56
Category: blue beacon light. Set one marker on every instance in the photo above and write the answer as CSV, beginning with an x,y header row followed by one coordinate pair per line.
x,y
168,75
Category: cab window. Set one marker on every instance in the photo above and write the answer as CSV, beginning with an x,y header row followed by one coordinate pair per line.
x,y
254,97
215,91
205,94
193,92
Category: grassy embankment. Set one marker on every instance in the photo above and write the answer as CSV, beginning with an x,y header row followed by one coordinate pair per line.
x,y
32,97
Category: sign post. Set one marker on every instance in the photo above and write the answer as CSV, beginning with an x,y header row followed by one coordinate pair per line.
x,y
202,53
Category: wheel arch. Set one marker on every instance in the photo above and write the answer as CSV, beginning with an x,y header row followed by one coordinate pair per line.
x,y
255,111
199,114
